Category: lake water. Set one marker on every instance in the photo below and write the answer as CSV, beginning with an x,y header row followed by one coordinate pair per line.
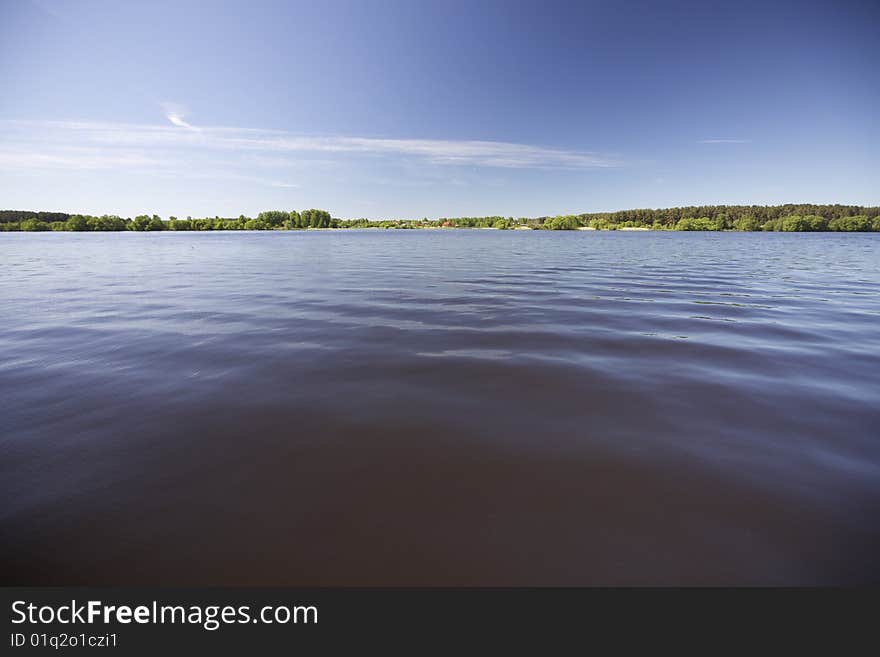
x,y
440,408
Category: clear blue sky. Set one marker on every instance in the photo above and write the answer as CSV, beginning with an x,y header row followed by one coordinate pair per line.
x,y
411,109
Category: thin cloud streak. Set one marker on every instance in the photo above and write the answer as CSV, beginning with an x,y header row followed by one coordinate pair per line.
x,y
724,141
75,159
435,151
175,114
98,159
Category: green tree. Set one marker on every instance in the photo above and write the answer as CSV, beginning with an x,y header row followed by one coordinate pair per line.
x,y
34,225
106,223
817,222
853,224
603,223
795,224
273,218
315,218
568,222
746,223
77,223
692,223
140,223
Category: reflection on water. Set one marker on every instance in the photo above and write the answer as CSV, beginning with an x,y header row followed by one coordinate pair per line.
x,y
426,407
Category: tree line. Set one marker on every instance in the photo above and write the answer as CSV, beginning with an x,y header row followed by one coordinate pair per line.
x,y
787,218
790,217
15,220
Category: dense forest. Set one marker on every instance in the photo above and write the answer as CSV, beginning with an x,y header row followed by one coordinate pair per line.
x,y
788,218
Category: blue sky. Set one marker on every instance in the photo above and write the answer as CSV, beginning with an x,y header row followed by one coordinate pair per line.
x,y
411,109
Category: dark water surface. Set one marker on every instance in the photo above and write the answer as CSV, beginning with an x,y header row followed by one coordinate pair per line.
x,y
426,407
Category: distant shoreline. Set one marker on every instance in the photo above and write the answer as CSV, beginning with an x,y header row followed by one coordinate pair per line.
x,y
791,217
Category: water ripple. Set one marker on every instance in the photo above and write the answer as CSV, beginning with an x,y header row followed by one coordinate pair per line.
x,y
427,407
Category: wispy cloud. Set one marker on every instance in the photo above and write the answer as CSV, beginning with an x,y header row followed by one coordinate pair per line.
x,y
74,158
724,141
175,114
148,139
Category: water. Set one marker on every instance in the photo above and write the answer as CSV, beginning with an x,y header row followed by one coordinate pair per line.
x,y
440,408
